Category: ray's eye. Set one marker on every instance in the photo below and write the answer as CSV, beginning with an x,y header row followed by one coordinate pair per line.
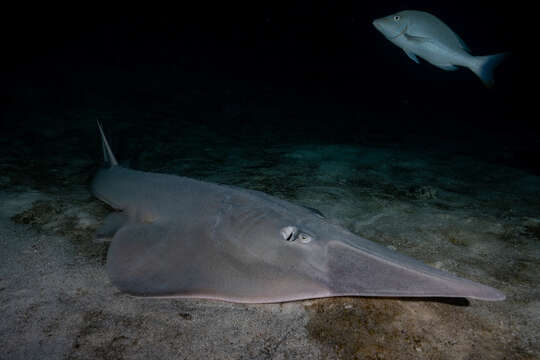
x,y
396,18
304,238
291,233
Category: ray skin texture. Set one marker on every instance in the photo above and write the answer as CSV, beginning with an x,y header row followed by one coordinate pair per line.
x,y
173,236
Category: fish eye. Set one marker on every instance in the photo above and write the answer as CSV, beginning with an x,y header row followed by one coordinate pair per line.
x,y
396,18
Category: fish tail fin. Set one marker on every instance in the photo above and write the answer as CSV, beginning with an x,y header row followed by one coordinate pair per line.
x,y
108,155
485,65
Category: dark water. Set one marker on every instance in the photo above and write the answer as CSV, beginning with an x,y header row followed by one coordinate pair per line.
x,y
297,72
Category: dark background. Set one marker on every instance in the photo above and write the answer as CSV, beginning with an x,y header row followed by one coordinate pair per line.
x,y
321,66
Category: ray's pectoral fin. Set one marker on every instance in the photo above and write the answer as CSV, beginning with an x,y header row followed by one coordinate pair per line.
x,y
136,257
168,260
112,223
163,260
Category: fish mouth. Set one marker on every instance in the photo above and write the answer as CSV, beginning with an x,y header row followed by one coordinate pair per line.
x,y
377,25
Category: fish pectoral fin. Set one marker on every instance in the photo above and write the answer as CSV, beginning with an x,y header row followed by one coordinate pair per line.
x,y
112,223
416,38
412,56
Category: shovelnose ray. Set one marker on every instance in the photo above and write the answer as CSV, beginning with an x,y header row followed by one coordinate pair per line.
x,y
178,237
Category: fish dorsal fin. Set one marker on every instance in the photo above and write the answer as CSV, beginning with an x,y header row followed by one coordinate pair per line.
x,y
412,56
433,29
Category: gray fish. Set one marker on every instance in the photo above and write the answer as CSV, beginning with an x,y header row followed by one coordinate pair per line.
x,y
421,34
174,236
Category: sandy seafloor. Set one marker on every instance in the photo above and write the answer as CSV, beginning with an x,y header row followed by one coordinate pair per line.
x,y
454,211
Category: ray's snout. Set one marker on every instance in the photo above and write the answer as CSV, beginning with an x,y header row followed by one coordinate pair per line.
x,y
357,267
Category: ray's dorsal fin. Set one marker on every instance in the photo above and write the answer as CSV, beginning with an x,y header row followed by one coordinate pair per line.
x,y
108,155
